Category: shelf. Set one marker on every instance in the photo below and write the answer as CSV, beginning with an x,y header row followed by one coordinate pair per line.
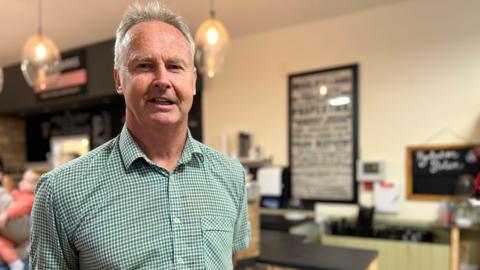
x,y
248,162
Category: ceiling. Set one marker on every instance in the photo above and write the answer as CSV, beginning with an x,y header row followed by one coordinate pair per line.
x,y
76,23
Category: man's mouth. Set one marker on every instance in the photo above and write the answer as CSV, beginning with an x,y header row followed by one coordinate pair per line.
x,y
161,101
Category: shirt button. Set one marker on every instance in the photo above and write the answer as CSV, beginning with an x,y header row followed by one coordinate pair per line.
x,y
170,178
180,260
176,220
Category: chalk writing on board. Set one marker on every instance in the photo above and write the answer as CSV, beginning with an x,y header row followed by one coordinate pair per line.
x,y
321,135
438,172
437,161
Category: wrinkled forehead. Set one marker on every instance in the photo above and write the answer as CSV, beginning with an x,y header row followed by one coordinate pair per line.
x,y
155,34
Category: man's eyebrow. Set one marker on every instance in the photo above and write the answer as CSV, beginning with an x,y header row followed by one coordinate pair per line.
x,y
177,60
141,58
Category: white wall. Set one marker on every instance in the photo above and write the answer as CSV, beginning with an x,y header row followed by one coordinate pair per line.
x,y
419,79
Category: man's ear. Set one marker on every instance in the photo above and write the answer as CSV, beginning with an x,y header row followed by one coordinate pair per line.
x,y
118,83
194,81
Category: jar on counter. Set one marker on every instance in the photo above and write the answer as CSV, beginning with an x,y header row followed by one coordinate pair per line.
x,y
464,214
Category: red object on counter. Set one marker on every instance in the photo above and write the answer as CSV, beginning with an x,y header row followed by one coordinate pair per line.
x,y
476,187
368,186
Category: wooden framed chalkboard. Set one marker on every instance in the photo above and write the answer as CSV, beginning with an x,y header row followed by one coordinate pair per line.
x,y
442,172
323,113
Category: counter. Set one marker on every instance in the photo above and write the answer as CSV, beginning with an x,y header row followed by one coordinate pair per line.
x,y
282,249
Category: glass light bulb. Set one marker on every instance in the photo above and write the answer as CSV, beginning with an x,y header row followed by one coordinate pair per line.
x,y
40,62
212,43
212,36
1,79
40,51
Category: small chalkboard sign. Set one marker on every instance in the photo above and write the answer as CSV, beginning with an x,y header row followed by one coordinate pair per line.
x,y
441,172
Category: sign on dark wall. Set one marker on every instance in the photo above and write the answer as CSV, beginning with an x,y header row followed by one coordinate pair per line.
x,y
441,172
72,79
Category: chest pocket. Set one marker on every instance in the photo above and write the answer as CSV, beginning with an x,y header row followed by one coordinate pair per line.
x,y
217,242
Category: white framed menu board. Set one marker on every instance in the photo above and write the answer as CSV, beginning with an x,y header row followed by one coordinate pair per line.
x,y
323,126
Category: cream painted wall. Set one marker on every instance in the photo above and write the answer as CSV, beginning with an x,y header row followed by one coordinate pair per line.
x,y
419,82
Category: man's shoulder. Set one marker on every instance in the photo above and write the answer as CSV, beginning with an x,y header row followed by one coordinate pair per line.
x,y
219,160
226,171
91,163
75,188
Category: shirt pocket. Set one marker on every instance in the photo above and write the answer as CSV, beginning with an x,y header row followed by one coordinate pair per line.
x,y
217,242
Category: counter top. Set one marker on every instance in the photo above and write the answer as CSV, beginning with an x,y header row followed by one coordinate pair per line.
x,y
283,249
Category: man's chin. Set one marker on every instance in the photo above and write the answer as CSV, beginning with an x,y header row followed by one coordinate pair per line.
x,y
165,121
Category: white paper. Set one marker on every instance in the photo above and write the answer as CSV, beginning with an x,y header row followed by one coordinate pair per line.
x,y
386,197
270,181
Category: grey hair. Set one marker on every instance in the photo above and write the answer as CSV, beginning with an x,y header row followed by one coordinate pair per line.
x,y
152,11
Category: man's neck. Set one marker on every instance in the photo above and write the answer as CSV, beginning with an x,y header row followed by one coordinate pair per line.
x,y
163,145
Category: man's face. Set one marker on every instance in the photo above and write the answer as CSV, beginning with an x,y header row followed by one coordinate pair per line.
x,y
157,76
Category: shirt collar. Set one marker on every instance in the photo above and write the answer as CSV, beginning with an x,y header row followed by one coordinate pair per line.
x,y
130,150
190,150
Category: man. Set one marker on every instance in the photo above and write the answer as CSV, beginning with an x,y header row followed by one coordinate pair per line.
x,y
153,197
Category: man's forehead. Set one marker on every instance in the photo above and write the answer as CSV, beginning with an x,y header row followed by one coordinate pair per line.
x,y
153,34
154,30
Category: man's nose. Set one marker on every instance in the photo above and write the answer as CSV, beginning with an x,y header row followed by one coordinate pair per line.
x,y
161,78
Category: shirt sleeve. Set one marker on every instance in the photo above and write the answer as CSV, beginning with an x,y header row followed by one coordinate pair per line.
x,y
50,248
241,236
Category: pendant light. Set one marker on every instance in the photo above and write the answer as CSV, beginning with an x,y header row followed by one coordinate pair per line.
x,y
1,80
212,42
40,58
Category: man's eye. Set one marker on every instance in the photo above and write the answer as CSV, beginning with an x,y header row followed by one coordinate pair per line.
x,y
175,67
144,66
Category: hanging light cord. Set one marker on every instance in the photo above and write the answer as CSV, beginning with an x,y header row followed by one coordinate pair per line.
x,y
40,30
212,10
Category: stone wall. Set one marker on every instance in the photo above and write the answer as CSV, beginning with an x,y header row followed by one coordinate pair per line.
x,y
13,144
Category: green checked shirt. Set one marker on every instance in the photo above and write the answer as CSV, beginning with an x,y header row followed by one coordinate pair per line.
x,y
115,209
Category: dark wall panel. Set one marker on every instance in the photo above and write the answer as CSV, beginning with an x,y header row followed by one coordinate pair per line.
x,y
101,123
18,98
100,69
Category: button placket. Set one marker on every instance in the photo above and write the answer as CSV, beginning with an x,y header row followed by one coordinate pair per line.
x,y
176,221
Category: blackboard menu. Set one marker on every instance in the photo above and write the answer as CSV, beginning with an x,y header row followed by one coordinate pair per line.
x,y
322,134
441,172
